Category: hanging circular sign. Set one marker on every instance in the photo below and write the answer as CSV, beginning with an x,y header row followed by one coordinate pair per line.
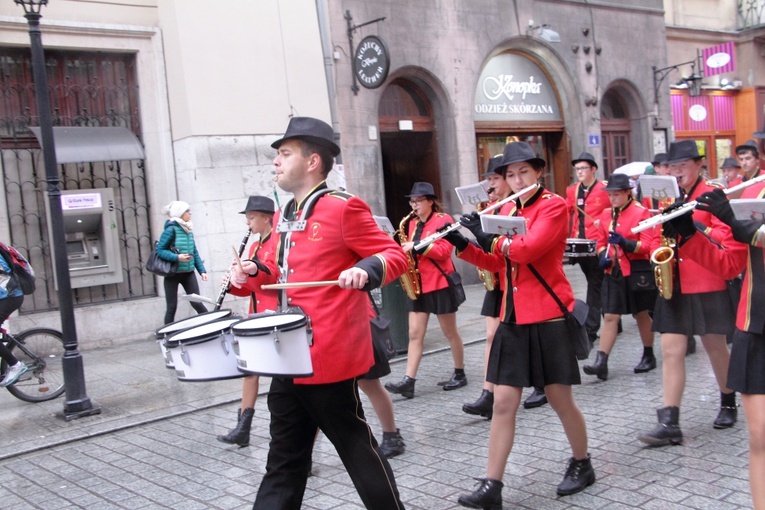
x,y
371,62
697,113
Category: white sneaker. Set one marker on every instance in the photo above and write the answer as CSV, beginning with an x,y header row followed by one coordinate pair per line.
x,y
13,373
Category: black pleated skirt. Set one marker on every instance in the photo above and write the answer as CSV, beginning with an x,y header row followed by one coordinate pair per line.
x,y
746,373
492,303
532,355
617,298
695,314
438,302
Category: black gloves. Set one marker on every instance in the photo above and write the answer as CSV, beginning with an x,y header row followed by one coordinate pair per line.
x,y
472,222
682,225
619,240
605,262
455,238
716,203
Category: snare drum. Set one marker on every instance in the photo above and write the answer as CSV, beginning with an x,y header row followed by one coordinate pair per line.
x,y
168,330
204,353
277,345
580,248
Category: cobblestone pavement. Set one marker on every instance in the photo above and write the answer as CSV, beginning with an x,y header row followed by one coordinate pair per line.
x,y
154,444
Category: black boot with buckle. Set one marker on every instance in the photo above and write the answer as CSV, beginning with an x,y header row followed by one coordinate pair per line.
x,y
538,398
647,362
579,475
484,406
487,497
240,435
600,368
405,388
667,431
392,444
458,380
728,413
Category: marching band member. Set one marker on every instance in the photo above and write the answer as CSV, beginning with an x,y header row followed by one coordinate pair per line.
x,y
701,305
340,241
731,171
531,346
619,249
747,356
748,155
433,262
586,200
259,214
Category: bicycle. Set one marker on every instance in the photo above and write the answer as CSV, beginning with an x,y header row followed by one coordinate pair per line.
x,y
41,349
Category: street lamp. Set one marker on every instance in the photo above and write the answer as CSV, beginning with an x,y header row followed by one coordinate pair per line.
x,y
692,82
77,403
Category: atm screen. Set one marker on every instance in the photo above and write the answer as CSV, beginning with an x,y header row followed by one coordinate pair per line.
x,y
75,248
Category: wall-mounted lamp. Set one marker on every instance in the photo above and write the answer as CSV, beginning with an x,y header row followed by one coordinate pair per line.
x,y
544,32
692,82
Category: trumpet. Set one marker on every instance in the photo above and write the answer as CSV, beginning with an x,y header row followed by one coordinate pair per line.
x,y
454,226
688,206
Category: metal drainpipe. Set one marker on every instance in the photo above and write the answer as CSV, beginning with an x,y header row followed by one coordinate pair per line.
x,y
322,13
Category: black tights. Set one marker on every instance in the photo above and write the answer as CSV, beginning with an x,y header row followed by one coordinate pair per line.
x,y
7,307
189,282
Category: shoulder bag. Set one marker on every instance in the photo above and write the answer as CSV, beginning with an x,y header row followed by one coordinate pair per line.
x,y
381,336
159,266
455,285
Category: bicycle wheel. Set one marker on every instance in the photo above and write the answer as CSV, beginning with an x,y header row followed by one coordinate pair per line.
x,y
41,349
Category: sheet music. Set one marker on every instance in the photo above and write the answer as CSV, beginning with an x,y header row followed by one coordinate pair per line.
x,y
748,208
473,194
385,225
503,225
659,187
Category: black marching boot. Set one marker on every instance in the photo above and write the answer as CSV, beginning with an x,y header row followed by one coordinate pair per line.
x,y
600,368
647,362
405,388
457,380
240,435
536,399
487,497
667,431
392,444
690,347
484,406
728,414
579,475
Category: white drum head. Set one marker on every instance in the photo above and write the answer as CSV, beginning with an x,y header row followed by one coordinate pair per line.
x,y
201,331
280,321
194,321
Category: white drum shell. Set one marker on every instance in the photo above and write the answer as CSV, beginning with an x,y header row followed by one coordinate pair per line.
x,y
169,330
273,346
204,353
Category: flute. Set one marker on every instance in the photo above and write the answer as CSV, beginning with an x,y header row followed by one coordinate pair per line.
x,y
454,226
227,278
683,209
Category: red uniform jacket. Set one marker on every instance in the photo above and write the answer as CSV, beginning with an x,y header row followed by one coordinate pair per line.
x,y
439,252
750,316
260,300
340,233
542,246
630,215
594,202
695,277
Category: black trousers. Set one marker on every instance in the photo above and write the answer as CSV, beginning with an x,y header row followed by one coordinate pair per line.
x,y
297,412
594,275
7,307
188,280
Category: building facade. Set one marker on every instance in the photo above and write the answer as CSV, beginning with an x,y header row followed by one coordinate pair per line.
x,y
206,88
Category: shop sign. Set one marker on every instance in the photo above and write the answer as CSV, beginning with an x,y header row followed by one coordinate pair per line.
x,y
371,62
513,88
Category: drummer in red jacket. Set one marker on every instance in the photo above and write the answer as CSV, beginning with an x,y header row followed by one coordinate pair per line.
x,y
325,236
259,214
586,200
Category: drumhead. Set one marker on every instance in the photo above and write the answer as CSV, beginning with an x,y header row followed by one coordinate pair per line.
x,y
265,325
575,240
190,322
200,334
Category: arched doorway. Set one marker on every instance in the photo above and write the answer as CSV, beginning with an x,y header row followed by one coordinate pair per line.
x,y
615,127
408,143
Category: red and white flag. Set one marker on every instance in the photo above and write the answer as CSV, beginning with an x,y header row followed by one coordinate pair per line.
x,y
719,59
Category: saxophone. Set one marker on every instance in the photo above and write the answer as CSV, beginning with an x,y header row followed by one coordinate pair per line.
x,y
410,280
663,259
486,276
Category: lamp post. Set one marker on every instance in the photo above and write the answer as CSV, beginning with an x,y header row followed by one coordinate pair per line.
x,y
77,403
693,81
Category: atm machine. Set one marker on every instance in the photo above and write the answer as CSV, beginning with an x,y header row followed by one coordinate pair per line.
x,y
92,240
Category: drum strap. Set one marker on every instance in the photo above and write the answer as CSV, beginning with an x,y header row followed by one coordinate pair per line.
x,y
285,229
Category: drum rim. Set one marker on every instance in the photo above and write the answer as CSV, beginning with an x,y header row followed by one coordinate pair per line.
x,y
263,330
271,374
212,335
159,335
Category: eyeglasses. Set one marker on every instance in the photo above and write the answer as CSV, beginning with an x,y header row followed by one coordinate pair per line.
x,y
417,201
582,168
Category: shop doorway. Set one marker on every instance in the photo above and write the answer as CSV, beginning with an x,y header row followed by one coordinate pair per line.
x,y
409,145
616,129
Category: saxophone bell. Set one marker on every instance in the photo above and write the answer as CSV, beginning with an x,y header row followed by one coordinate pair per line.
x,y
663,259
410,280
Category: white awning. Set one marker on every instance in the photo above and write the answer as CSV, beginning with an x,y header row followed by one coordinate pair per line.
x,y
91,144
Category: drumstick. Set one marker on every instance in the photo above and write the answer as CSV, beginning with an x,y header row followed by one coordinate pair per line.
x,y
237,259
295,285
